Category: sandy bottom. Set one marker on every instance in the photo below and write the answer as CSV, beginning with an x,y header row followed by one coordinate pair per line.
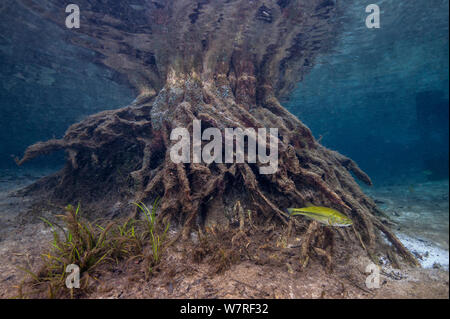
x,y
419,214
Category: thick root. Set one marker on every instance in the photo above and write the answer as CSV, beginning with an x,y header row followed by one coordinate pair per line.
x,y
126,153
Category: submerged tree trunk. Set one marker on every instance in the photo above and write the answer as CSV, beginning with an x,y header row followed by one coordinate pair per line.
x,y
227,64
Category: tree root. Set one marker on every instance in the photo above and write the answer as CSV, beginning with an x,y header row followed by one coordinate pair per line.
x,y
228,74
401,249
126,153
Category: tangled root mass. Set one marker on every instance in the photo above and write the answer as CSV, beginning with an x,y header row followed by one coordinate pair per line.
x,y
227,65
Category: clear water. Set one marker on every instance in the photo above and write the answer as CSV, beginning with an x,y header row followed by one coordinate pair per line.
x,y
380,96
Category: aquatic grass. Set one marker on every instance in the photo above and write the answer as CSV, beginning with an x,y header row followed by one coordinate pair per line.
x,y
81,243
156,236
89,245
128,240
85,245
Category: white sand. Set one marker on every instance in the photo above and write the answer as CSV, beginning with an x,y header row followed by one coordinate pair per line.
x,y
430,253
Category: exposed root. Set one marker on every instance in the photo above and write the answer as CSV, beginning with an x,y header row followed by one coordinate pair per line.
x,y
401,249
227,74
307,243
133,145
39,149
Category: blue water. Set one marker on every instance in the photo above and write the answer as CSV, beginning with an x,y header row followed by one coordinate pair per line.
x,y
46,84
381,95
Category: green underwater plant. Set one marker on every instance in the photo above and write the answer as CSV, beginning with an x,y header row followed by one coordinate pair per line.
x,y
89,245
128,240
156,237
82,244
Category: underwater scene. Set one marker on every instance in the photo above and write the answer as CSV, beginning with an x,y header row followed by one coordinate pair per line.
x,y
224,149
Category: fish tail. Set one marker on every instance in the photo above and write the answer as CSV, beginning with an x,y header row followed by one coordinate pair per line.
x,y
290,211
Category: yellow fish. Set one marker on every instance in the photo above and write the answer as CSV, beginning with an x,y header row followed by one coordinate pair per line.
x,y
324,215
